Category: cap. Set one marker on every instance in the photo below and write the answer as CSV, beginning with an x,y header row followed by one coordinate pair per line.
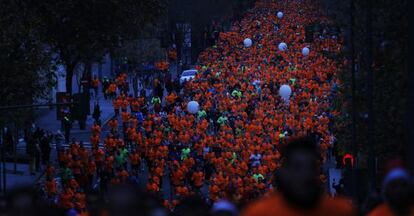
x,y
224,205
394,174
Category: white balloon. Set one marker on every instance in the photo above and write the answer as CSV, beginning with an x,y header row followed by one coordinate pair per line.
x,y
248,42
285,91
305,51
193,107
283,46
279,15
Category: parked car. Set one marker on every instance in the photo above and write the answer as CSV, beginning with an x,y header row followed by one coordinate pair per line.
x,y
188,75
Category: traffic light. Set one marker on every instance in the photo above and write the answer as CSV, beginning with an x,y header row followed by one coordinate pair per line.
x,y
62,97
348,160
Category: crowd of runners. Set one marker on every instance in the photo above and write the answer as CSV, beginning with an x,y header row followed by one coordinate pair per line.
x,y
229,149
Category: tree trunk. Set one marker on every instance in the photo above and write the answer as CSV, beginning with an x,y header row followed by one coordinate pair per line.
x,y
372,167
100,70
69,76
111,65
87,68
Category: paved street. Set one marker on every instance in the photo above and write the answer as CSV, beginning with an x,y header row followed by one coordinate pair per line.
x,y
47,121
206,108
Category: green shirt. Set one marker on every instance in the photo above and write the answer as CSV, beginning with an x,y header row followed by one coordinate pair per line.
x,y
66,174
124,152
155,100
258,176
233,157
282,135
201,114
291,68
236,93
293,80
238,131
184,153
121,158
222,120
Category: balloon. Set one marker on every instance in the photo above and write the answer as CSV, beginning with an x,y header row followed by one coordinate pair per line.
x,y
305,51
247,42
279,15
285,91
282,46
193,107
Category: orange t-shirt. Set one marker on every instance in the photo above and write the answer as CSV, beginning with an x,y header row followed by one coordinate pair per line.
x,y
275,205
385,210
198,178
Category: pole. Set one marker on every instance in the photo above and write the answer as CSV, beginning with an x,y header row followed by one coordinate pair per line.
x,y
371,117
1,155
354,145
353,80
410,103
3,160
15,140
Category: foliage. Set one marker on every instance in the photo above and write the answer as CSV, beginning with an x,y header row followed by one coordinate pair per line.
x,y
25,70
82,31
138,52
35,36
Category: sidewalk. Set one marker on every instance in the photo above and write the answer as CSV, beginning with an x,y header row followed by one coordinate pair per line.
x,y
47,119
20,178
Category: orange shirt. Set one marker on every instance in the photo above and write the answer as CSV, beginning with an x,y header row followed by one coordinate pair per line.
x,y
66,199
51,187
177,177
275,205
95,140
385,210
99,155
91,168
125,117
198,178
153,187
135,159
112,88
95,83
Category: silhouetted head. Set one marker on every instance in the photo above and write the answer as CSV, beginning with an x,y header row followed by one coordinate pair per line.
x,y
95,203
397,190
224,208
127,200
192,205
24,201
299,176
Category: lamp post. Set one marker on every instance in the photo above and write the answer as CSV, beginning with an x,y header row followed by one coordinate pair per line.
x,y
410,106
3,164
370,92
353,131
